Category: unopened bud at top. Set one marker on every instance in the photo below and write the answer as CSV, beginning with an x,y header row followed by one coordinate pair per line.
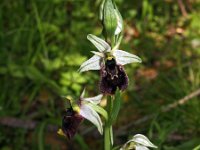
x,y
111,19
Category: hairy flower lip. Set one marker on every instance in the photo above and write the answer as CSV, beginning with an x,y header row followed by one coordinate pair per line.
x,y
79,110
70,123
113,79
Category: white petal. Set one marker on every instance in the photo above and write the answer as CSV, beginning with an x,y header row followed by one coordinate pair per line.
x,y
140,147
139,141
91,64
100,44
142,140
88,113
136,147
123,57
94,100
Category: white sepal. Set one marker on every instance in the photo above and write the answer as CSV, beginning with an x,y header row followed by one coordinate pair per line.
x,y
142,140
98,53
91,64
88,113
123,57
100,44
138,142
94,100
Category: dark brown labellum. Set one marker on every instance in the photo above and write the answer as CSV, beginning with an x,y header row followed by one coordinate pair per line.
x,y
112,76
71,122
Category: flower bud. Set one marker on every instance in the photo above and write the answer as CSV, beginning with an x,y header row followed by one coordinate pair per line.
x,y
111,19
138,142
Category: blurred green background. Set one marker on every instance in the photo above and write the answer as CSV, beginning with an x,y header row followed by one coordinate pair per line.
x,y
43,43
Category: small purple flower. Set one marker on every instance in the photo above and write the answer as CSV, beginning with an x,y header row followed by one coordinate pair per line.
x,y
110,62
83,108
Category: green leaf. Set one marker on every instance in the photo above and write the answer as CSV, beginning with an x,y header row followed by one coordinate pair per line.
x,y
15,70
116,106
187,145
197,148
41,136
116,148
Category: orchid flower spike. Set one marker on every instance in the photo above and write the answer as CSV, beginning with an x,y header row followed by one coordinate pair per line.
x,y
80,109
110,62
138,142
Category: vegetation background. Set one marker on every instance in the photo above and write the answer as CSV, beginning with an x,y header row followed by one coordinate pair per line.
x,y
43,43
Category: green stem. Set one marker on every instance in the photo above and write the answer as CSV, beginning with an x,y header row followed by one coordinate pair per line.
x,y
108,126
107,142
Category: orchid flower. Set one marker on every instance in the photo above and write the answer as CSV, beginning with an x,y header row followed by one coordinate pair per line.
x,y
110,62
80,109
138,142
